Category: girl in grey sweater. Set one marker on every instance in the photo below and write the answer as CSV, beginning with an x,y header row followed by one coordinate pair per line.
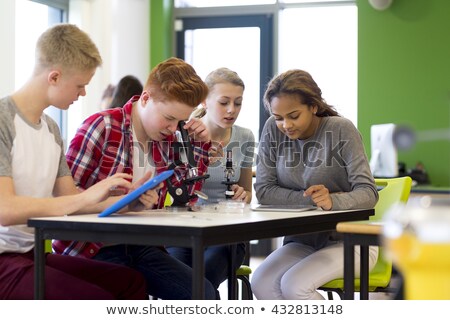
x,y
308,155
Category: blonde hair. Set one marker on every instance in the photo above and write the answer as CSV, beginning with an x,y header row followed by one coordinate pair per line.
x,y
223,75
176,80
66,46
220,75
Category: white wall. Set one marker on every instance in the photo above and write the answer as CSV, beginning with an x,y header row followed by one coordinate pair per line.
x,y
121,31
7,61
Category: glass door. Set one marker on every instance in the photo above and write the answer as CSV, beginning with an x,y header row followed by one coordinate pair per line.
x,y
240,43
244,44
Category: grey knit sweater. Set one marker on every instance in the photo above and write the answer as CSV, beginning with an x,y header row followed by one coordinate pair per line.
x,y
334,156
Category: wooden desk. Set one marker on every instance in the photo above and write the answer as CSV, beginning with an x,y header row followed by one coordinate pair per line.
x,y
196,230
364,234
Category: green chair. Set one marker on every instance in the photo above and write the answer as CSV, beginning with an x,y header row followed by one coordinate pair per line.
x,y
48,246
392,191
243,274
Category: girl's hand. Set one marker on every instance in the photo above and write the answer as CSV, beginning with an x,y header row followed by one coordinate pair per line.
x,y
320,195
239,193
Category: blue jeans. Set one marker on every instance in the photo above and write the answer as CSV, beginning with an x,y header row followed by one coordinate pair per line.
x,y
167,277
216,260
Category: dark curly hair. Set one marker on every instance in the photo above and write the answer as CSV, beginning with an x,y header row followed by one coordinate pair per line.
x,y
301,84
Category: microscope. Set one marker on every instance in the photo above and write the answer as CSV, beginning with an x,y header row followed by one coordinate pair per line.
x,y
229,174
180,193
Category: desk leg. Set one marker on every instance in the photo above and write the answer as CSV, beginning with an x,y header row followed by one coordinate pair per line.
x,y
349,268
39,265
232,273
198,269
364,273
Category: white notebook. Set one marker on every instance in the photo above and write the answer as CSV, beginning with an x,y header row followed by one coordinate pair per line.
x,y
283,207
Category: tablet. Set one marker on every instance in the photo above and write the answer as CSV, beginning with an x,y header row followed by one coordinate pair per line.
x,y
133,195
283,207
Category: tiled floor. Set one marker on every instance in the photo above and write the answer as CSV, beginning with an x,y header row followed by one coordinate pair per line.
x,y
254,263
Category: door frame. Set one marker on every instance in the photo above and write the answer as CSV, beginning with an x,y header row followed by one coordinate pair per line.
x,y
265,22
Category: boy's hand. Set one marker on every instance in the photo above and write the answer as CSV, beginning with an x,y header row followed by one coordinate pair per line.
x,y
197,130
102,190
320,195
149,198
215,152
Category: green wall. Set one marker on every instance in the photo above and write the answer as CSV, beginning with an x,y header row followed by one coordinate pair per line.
x,y
161,31
404,77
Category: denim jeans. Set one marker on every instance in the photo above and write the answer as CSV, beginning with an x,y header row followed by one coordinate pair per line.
x,y
216,260
167,277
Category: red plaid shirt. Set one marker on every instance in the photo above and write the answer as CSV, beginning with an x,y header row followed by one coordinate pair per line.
x,y
103,146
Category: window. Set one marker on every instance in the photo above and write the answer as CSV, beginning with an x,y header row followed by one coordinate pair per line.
x,y
210,43
219,3
250,73
32,18
309,1
227,3
303,39
328,51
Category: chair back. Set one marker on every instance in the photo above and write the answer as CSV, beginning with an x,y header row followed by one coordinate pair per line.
x,y
394,190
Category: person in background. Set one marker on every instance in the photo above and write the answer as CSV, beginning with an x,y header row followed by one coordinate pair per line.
x,y
106,97
35,180
139,139
308,155
219,114
127,87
